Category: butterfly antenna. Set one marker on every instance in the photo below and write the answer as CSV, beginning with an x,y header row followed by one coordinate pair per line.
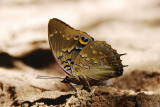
x,y
48,77
72,87
122,54
125,65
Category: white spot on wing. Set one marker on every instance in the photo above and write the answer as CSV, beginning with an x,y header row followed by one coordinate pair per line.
x,y
51,35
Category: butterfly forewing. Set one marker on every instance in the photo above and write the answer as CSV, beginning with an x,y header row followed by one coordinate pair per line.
x,y
66,43
98,61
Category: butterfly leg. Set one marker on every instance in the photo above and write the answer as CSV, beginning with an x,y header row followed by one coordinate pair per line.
x,y
73,87
86,85
67,82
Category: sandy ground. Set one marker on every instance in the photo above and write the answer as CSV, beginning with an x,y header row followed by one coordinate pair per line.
x,y
131,27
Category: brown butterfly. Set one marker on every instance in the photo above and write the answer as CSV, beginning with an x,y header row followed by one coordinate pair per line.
x,y
84,60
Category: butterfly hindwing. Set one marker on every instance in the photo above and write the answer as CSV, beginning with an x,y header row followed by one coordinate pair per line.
x,y
66,43
98,61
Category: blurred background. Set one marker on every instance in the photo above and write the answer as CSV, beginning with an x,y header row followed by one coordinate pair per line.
x,y
129,26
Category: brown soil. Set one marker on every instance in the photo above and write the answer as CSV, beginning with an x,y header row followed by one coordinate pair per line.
x,y
141,90
139,81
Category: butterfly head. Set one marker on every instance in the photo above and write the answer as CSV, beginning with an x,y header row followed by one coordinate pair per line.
x,y
71,79
66,80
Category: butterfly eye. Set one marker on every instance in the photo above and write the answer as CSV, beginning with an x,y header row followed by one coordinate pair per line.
x,y
66,80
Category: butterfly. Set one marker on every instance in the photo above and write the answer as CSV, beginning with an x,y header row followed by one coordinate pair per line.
x,y
84,60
